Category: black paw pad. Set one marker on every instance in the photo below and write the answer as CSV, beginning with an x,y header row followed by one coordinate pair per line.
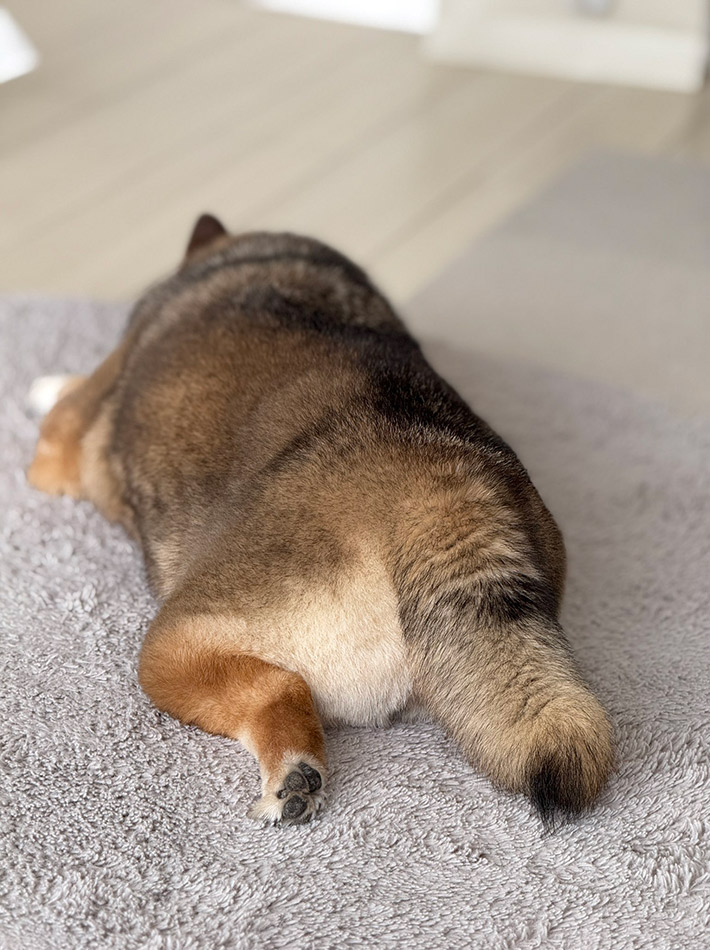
x,y
312,776
294,807
294,782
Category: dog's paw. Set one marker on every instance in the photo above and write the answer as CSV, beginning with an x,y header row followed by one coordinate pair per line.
x,y
294,798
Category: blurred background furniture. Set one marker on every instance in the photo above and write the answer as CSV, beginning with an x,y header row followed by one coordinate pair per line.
x,y
653,43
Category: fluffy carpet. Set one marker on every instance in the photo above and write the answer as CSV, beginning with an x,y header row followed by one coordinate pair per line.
x,y
121,828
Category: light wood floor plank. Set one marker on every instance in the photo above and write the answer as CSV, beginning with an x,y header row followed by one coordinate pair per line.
x,y
281,136
143,114
158,119
590,118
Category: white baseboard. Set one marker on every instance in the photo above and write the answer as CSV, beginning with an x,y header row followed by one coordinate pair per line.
x,y
409,16
594,50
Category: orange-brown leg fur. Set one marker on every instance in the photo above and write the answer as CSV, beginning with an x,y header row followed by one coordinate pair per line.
x,y
269,709
56,467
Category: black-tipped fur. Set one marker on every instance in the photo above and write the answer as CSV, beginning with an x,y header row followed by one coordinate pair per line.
x,y
556,786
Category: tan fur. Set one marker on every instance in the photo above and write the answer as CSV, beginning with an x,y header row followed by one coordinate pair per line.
x,y
100,483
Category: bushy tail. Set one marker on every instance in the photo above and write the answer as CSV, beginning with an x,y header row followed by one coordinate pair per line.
x,y
492,664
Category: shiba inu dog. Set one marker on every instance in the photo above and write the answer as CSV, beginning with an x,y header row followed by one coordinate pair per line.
x,y
332,533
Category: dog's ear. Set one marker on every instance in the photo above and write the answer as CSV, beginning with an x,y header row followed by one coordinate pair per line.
x,y
207,229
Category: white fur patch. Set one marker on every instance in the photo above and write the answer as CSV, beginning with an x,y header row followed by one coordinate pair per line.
x,y
45,391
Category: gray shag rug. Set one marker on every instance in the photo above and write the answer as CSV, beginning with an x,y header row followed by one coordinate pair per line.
x,y
121,828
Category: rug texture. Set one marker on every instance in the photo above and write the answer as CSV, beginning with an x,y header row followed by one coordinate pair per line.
x,y
121,828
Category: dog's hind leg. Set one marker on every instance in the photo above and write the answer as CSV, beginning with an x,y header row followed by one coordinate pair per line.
x,y
270,710
56,467
71,403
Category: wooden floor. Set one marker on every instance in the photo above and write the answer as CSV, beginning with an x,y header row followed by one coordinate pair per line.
x,y
144,114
